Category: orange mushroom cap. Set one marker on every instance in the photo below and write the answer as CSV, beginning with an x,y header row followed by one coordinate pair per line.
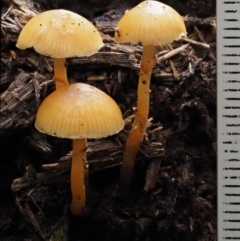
x,y
150,22
79,111
60,34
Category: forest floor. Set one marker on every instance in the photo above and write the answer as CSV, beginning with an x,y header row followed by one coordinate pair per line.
x,y
173,194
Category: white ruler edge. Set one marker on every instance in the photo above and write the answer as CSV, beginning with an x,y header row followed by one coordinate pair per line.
x,y
228,117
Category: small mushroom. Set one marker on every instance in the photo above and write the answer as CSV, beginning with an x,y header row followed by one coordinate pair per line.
x,y
79,111
149,23
60,34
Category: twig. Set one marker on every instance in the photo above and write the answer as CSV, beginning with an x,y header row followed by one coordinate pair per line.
x,y
199,34
172,53
165,77
203,45
202,40
26,211
152,174
175,73
6,13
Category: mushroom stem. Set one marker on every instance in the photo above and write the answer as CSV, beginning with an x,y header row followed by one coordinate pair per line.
x,y
77,176
141,117
60,72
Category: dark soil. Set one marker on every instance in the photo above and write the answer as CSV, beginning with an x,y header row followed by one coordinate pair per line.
x,y
173,193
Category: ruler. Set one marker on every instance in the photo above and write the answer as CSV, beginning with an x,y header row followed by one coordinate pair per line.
x,y
228,116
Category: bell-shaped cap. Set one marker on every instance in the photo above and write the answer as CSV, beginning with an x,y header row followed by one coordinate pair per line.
x,y
79,111
60,34
150,22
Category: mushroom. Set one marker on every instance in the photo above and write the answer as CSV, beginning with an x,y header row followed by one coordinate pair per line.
x,y
60,34
149,23
79,111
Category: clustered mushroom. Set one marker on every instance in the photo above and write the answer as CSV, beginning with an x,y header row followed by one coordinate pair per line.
x,y
149,23
80,111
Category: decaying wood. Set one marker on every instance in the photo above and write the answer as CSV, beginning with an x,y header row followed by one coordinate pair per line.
x,y
107,27
101,154
20,100
17,15
108,59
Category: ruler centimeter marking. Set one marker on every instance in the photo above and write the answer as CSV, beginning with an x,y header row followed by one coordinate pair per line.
x,y
228,116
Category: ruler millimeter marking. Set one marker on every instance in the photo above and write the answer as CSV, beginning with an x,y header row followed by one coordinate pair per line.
x,y
228,114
